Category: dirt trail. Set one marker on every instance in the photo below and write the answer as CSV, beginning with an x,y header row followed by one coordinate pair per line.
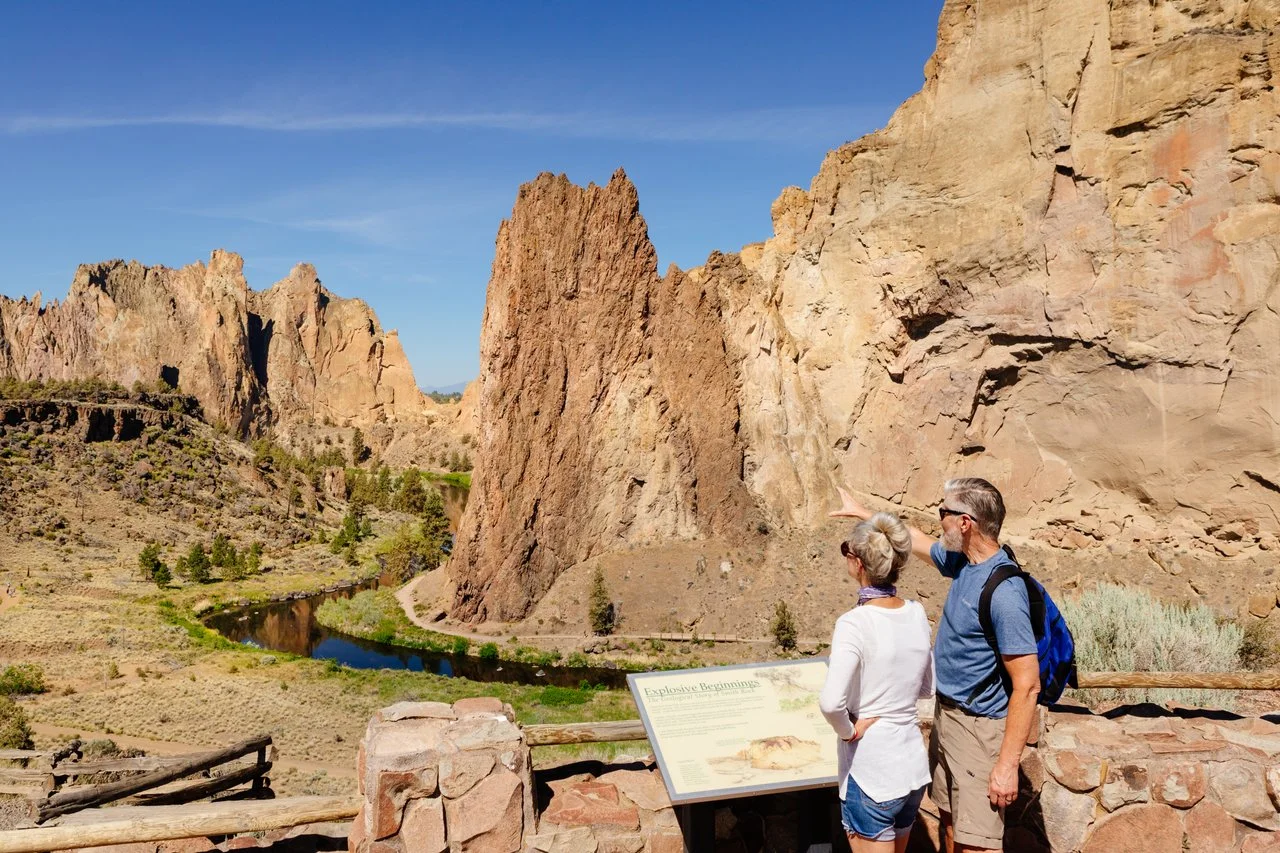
x,y
423,587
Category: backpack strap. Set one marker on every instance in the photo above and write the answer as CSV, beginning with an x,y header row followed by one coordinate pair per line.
x,y
1035,603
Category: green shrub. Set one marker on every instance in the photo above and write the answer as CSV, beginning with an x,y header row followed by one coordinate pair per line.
x,y
1117,629
1258,647
601,614
488,651
461,645
577,660
22,679
783,627
15,733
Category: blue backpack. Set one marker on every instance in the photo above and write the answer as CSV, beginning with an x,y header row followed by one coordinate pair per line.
x,y
1054,645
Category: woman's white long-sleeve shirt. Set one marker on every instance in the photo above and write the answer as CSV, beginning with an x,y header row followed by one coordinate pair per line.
x,y
880,665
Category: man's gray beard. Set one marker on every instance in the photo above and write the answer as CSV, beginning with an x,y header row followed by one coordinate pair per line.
x,y
952,540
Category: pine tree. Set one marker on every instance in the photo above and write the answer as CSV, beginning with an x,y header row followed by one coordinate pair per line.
x,y
222,552
194,565
435,522
600,610
358,450
783,627
149,562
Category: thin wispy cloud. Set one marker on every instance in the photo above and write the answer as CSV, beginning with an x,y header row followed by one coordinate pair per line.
x,y
766,125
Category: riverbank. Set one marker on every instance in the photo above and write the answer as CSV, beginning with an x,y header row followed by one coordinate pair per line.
x,y
379,616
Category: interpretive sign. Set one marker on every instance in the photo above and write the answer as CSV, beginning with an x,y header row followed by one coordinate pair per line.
x,y
735,731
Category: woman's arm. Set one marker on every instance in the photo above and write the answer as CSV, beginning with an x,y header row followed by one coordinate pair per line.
x,y
842,665
926,683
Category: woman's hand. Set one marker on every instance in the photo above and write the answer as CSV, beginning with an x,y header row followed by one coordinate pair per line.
x,y
849,508
860,727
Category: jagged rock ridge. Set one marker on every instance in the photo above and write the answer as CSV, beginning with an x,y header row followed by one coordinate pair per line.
x,y
256,361
1058,266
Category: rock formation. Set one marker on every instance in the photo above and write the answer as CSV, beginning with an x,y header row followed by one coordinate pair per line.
x,y
1058,266
275,360
606,414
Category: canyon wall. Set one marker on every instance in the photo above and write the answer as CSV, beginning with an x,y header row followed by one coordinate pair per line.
x,y
277,360
1056,267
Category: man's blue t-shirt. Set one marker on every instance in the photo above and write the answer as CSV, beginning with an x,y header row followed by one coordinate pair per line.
x,y
962,656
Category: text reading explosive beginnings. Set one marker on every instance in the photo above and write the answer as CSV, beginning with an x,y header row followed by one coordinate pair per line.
x,y
701,687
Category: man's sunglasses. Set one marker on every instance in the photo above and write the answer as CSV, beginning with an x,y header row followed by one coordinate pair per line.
x,y
943,512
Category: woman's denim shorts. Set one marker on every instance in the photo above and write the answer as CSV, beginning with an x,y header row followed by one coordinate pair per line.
x,y
878,821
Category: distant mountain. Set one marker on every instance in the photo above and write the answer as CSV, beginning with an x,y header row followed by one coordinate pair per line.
x,y
455,388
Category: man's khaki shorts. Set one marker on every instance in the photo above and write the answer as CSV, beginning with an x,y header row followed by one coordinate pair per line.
x,y
963,749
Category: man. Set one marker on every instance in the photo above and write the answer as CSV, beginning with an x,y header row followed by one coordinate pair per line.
x,y
982,721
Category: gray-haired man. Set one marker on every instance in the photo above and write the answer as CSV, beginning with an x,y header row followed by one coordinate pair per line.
x,y
980,725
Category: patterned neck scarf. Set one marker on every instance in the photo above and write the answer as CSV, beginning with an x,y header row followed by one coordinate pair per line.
x,y
868,593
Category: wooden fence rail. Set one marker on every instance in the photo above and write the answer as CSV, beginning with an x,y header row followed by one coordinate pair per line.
x,y
211,819
1192,680
75,799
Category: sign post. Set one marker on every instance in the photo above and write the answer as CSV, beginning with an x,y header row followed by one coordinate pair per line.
x,y
737,731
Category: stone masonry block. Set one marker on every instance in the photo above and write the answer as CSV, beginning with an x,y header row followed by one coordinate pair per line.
x,y
482,732
415,711
392,790
461,771
1125,784
490,817
423,829
1137,829
1178,784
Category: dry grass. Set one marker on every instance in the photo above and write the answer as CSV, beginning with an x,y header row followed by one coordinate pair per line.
x,y
69,541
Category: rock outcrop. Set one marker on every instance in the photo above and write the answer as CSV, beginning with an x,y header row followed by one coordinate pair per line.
x,y
607,415
1058,267
275,360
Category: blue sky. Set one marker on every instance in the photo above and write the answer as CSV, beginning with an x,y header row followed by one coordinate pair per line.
x,y
385,142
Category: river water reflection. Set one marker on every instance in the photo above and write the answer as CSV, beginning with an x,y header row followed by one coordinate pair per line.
x,y
290,626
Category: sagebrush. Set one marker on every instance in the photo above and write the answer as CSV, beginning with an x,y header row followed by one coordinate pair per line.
x,y
1118,629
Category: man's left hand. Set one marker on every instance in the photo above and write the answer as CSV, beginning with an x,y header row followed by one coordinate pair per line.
x,y
1004,785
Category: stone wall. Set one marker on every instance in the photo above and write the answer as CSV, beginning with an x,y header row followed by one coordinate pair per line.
x,y
439,777
459,778
1151,780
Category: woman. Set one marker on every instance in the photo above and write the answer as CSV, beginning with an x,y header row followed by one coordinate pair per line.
x,y
880,666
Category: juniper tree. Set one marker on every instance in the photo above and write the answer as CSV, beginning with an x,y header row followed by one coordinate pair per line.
x,y
783,627
600,610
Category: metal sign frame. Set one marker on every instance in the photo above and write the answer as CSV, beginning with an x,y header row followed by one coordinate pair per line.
x,y
635,682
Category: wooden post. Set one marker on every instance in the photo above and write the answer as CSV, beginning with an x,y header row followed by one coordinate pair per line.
x,y
265,765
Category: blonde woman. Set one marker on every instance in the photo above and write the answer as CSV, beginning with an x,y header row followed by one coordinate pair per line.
x,y
880,666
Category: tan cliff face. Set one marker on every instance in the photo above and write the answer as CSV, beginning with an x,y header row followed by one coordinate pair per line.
x,y
1057,267
280,360
605,415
